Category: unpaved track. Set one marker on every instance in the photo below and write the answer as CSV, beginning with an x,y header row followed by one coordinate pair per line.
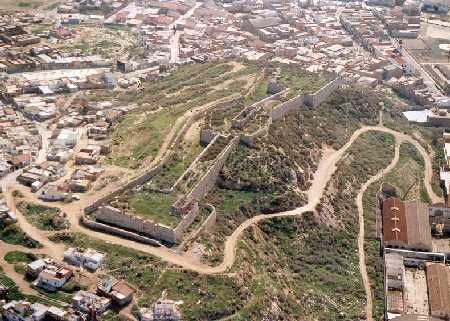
x,y
361,234
326,168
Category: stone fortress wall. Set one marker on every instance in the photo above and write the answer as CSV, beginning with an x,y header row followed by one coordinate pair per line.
x,y
116,221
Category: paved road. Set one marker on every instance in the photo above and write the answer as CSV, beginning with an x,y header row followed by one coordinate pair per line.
x,y
427,79
175,37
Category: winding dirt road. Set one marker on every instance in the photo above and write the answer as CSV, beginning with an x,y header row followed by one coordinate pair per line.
x,y
326,168
361,234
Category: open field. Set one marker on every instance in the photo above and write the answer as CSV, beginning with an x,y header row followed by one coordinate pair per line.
x,y
43,217
21,4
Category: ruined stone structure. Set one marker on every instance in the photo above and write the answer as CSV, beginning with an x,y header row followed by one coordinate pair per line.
x,y
208,180
206,136
116,221
247,114
118,218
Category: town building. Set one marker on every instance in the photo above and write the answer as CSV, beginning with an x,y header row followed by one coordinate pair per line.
x,y
88,258
50,275
88,302
406,225
119,291
438,280
162,310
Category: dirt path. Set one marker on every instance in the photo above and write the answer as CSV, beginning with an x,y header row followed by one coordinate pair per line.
x,y
361,234
326,168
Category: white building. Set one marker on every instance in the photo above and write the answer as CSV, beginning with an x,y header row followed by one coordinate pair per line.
x,y
67,137
85,301
88,258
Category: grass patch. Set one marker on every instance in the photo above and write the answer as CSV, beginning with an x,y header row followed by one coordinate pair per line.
x,y
19,257
44,217
12,234
180,160
313,259
140,134
154,206
20,260
408,175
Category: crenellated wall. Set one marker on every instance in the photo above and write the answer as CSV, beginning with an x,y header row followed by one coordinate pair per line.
x,y
127,225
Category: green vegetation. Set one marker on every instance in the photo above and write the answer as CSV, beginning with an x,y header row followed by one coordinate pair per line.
x,y
433,136
300,81
154,206
140,134
211,297
20,260
205,297
44,217
313,259
183,155
12,234
408,175
19,257
374,261
13,290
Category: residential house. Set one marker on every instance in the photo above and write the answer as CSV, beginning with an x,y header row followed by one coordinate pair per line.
x,y
119,291
162,310
87,301
88,258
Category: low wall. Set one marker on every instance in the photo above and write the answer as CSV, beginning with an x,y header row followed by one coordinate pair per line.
x,y
206,136
314,100
116,217
210,222
249,139
117,231
131,184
